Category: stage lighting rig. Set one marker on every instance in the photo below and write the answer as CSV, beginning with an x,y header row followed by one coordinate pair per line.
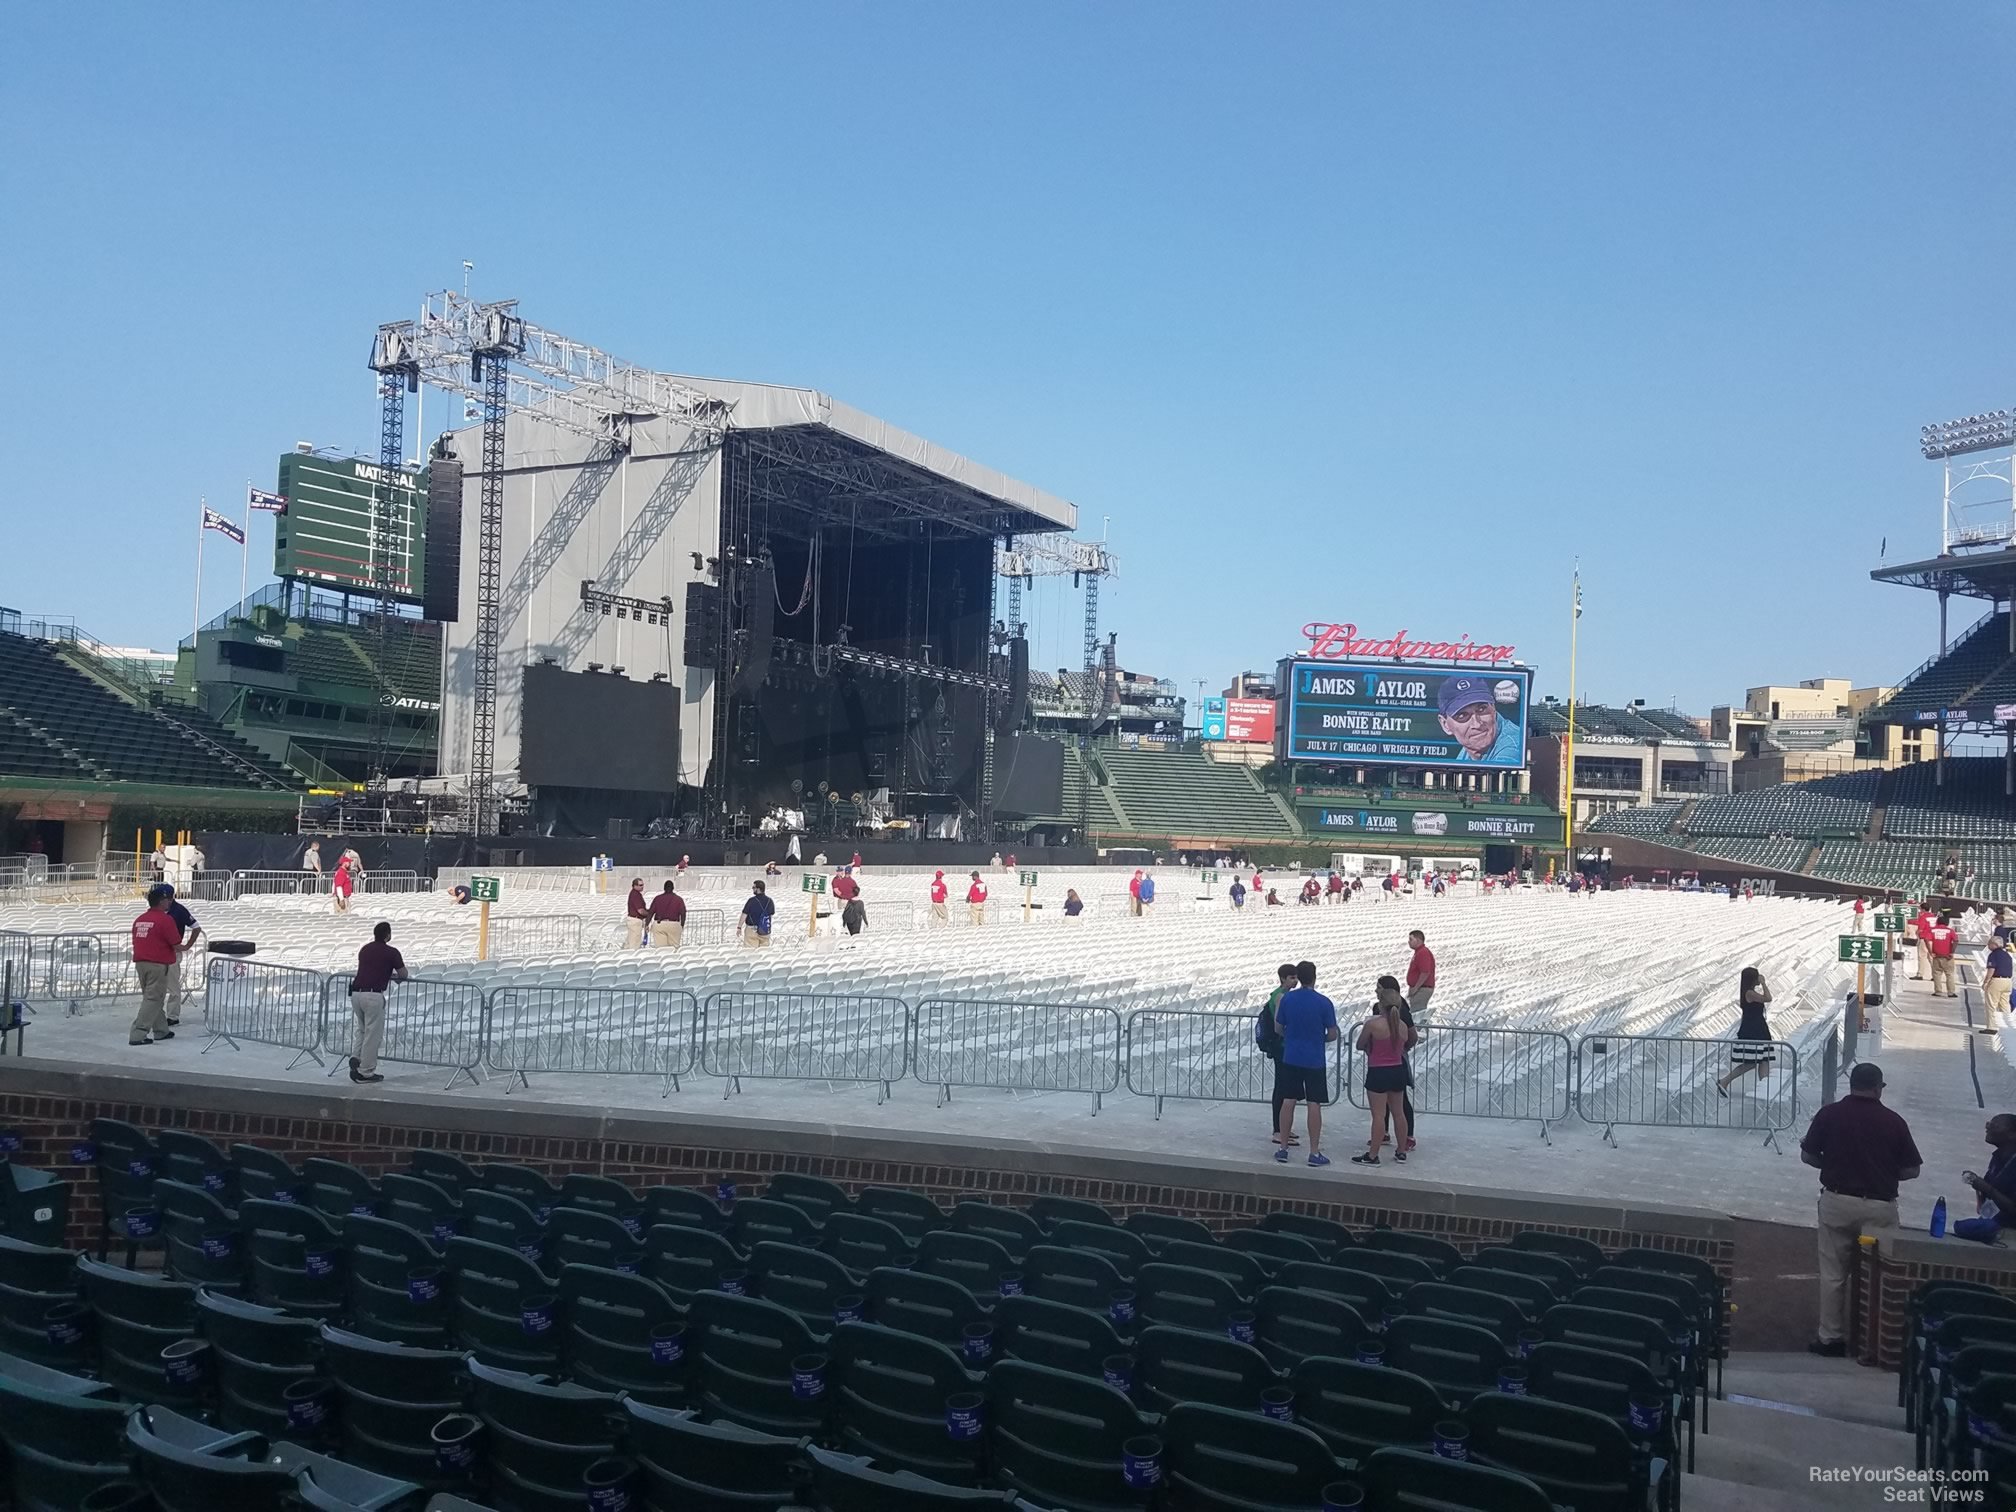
x,y
644,611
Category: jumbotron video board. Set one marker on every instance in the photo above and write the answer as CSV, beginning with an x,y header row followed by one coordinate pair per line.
x,y
1402,715
327,533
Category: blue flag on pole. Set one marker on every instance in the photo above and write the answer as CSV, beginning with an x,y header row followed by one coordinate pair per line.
x,y
272,503
215,521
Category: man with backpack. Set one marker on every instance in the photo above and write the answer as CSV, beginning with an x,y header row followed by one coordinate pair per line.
x,y
1267,1038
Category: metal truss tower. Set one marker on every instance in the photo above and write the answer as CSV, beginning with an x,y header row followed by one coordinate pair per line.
x,y
398,373
490,365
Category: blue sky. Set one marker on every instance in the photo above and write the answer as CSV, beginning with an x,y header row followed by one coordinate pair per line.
x,y
1368,314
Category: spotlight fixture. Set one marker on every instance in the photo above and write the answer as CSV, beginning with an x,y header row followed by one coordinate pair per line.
x,y
1972,433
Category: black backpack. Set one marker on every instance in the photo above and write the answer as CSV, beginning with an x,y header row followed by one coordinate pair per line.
x,y
1266,1036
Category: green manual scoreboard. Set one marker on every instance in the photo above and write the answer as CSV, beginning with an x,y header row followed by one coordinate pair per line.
x,y
329,533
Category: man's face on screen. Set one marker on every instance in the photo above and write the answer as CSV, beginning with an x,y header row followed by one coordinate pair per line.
x,y
1474,727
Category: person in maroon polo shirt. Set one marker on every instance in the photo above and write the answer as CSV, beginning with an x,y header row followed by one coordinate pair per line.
x,y
668,918
1862,1151
637,913
379,965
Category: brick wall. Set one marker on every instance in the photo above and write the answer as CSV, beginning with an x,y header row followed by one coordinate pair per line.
x,y
51,1110
1892,1264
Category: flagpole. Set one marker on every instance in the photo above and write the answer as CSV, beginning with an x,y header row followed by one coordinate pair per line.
x,y
245,546
1574,636
197,623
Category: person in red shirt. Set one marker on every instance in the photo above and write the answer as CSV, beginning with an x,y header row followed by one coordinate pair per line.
x,y
1134,895
342,885
845,888
636,911
938,896
1940,938
1335,887
157,940
1858,915
976,900
668,918
856,862
1420,973
1922,966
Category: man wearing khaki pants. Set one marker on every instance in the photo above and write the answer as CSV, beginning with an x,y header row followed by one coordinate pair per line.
x,y
379,965
1862,1150
1996,971
156,940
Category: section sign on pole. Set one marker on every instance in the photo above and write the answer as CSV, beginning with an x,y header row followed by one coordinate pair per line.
x,y
1860,948
1889,923
484,890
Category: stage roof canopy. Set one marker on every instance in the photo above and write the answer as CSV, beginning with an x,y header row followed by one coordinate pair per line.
x,y
872,455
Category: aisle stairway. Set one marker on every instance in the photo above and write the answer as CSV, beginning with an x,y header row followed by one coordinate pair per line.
x,y
1787,1414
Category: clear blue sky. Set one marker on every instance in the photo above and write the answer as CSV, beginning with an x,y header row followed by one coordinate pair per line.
x,y
1378,314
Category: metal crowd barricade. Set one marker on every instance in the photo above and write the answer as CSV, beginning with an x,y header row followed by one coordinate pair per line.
x,y
1665,1081
263,1004
611,1031
1477,1071
1203,1057
428,1022
805,1036
1017,1047
531,935
260,884
74,968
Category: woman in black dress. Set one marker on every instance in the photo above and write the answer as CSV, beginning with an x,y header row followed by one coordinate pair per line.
x,y
1754,1039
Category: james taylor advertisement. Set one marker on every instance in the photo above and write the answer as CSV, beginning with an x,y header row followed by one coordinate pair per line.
x,y
1407,715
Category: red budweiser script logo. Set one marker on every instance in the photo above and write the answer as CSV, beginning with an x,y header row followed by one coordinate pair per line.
x,y
1341,642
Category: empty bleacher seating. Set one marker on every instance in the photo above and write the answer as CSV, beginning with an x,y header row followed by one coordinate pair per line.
x,y
1894,865
1183,793
1950,679
1650,821
1968,805
1778,854
1826,807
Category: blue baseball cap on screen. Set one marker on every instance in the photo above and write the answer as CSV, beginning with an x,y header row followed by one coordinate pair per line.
x,y
1461,692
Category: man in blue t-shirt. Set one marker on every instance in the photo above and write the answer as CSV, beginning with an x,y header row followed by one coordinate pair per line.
x,y
1147,892
1307,1022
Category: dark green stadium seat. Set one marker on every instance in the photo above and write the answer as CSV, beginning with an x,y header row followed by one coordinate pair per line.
x,y
34,1205
808,1282
294,1258
861,1243
1186,1298
258,1352
1326,1234
1292,1325
266,1175
491,1288
542,1434
1404,1478
1557,1272
926,1305
65,1436
757,1219
694,1466
184,1478
744,1348
1605,1382
1371,1295
1356,1408
1011,1228
198,1162
1963,1349
451,1173
1272,1250
889,1393
33,1279
1500,1316
1581,1459
337,1189
531,1187
1457,1359
136,1317
1930,1302
1398,1271
1439,1255
851,1483
975,1261
322,1484
819,1198
1714,1293
1221,1459
607,1346
392,1395
913,1214
127,1165
1245,1273
201,1237
429,1210
1173,1365
685,1259
683,1205
506,1219
587,1236
1159,1228
1077,1278
1054,1335
1122,1248
382,1257
607,1196
1057,1438
1584,1254
1529,1293
1049,1210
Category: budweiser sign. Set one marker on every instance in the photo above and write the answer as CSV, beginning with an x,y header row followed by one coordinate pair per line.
x,y
1342,642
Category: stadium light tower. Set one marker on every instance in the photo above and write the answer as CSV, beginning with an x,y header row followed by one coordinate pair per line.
x,y
1969,437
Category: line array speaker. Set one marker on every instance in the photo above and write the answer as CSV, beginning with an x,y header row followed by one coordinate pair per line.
x,y
703,624
441,555
762,602
1014,710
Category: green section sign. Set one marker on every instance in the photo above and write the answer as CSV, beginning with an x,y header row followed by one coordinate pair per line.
x,y
1861,948
812,882
1207,877
1026,879
484,889
1890,923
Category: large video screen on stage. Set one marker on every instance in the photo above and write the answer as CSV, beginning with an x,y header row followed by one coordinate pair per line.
x,y
598,730
1407,716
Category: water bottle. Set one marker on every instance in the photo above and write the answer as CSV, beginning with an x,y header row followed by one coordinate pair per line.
x,y
1939,1219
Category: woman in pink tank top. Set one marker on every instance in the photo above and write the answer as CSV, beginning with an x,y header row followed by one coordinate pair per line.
x,y
1384,1038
